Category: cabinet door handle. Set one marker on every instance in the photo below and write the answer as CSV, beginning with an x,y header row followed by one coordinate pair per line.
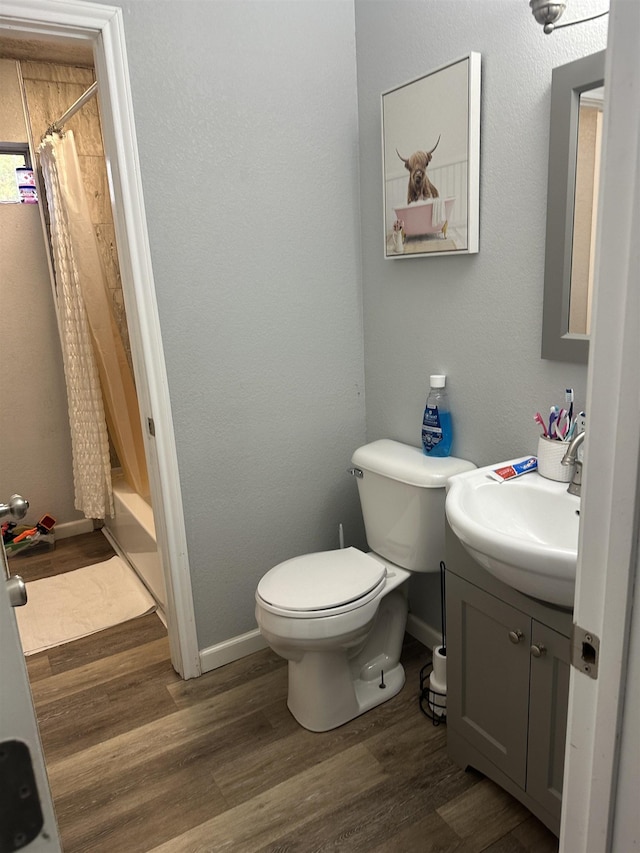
x,y
538,650
516,636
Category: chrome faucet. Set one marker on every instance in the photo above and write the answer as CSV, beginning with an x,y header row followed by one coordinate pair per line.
x,y
570,458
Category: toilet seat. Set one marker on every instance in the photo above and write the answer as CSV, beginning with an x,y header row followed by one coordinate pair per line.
x,y
322,584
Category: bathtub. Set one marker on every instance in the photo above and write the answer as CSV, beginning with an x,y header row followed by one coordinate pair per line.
x,y
417,220
132,533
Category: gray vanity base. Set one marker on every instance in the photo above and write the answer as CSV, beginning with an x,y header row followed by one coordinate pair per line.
x,y
507,684
465,756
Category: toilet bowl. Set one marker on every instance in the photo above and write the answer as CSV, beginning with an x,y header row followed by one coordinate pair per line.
x,y
338,617
342,641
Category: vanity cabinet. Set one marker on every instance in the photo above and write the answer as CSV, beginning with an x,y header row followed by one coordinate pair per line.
x,y
507,684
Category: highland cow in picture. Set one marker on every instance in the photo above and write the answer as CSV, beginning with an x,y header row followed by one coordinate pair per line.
x,y
420,186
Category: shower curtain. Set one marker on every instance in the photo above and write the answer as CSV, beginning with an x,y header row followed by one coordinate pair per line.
x,y
100,386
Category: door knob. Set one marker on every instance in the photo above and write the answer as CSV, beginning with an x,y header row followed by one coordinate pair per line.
x,y
516,636
538,650
17,590
16,508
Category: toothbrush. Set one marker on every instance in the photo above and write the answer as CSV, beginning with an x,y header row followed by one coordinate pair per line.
x,y
568,398
562,425
540,420
577,423
581,422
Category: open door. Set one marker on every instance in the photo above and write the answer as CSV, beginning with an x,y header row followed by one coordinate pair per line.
x,y
27,819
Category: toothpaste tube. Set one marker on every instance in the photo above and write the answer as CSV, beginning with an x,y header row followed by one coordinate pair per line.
x,y
515,469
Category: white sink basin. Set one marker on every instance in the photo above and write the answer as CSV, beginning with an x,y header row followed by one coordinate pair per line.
x,y
523,531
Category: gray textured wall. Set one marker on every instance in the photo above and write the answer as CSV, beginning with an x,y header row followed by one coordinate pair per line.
x,y
246,121
247,124
476,318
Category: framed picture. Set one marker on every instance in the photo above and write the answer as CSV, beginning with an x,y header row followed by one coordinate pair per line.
x,y
431,162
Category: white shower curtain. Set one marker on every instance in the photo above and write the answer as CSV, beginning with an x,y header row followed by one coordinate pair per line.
x,y
89,438
99,382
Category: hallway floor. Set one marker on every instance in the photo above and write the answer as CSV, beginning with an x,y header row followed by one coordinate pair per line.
x,y
140,760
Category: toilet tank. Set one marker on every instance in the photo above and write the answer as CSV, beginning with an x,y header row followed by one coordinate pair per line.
x,y
402,494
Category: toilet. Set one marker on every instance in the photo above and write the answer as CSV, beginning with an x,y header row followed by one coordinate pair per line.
x,y
338,617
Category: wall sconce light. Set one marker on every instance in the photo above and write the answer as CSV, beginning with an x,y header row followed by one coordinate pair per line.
x,y
548,12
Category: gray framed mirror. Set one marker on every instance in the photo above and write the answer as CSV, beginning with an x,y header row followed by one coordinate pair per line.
x,y
574,158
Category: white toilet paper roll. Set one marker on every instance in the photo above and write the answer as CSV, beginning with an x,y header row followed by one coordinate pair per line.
x,y
437,697
440,666
437,686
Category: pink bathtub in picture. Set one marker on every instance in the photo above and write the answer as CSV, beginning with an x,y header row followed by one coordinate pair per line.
x,y
418,217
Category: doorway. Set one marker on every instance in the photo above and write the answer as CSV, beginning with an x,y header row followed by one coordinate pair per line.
x,y
75,493
100,30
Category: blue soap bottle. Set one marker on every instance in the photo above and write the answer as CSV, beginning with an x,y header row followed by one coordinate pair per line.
x,y
437,431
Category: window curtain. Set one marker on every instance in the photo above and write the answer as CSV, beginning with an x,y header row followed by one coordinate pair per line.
x,y
100,388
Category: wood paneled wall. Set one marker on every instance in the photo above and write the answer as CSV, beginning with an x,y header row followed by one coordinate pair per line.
x,y
50,90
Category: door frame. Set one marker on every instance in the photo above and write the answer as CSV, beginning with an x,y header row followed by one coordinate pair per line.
x,y
103,27
598,787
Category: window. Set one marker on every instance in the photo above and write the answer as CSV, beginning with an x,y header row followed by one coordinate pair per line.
x,y
12,155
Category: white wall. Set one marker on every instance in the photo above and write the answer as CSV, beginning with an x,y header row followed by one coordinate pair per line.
x,y
476,318
246,122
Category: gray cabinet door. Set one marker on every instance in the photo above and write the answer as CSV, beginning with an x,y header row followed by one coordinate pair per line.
x,y
549,698
488,673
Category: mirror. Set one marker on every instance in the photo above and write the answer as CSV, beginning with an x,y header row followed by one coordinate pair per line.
x,y
572,196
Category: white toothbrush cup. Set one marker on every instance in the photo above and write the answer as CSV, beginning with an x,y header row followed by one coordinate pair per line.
x,y
550,453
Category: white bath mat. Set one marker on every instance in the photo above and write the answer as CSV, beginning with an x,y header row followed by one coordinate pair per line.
x,y
76,604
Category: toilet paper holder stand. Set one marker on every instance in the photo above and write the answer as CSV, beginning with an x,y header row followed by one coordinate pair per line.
x,y
433,702
433,675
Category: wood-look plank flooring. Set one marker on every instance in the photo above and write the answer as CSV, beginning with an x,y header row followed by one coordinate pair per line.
x,y
141,761
42,561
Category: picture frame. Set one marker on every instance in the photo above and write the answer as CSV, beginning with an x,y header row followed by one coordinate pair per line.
x,y
431,162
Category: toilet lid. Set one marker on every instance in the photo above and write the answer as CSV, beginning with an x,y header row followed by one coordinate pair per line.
x,y
321,581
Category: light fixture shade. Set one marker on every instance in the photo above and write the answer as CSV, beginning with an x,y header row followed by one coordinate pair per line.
x,y
547,13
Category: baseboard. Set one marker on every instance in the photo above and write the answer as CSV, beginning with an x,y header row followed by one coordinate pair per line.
x,y
253,641
427,635
74,528
230,650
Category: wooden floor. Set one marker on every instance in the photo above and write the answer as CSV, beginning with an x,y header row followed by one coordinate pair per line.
x,y
139,760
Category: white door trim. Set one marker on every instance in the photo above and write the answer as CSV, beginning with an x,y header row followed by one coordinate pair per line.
x,y
610,504
103,27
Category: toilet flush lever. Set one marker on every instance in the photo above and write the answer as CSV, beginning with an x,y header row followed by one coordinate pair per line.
x,y
356,472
